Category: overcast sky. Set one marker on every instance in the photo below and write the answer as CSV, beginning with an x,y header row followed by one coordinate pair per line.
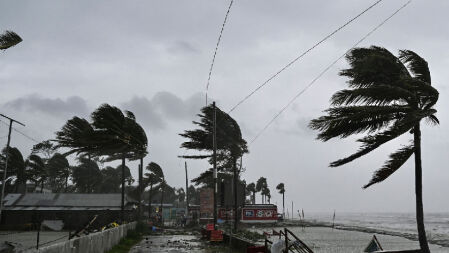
x,y
153,57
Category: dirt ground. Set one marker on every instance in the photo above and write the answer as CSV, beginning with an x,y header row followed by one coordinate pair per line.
x,y
177,244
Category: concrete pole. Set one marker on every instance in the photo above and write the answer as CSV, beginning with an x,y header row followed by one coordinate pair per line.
x,y
6,161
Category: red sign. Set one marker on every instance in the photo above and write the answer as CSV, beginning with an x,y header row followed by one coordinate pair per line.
x,y
225,214
216,235
206,203
210,227
259,213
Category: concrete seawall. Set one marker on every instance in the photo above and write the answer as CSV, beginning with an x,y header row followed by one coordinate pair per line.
x,y
93,243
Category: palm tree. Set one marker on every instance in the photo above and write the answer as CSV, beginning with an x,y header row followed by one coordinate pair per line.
x,y
37,169
123,137
112,133
16,167
281,188
252,189
261,184
388,96
230,144
155,175
87,176
9,39
58,169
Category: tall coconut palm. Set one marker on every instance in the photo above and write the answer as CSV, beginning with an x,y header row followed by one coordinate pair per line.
x,y
112,133
155,175
123,137
9,39
281,188
252,189
230,143
261,184
388,96
38,171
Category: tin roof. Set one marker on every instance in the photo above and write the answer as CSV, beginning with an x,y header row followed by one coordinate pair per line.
x,y
64,201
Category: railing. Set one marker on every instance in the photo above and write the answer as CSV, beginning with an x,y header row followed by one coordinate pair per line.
x,y
292,245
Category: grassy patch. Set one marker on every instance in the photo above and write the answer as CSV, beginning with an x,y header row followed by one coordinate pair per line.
x,y
127,243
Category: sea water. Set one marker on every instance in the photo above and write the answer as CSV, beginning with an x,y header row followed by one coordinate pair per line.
x,y
436,224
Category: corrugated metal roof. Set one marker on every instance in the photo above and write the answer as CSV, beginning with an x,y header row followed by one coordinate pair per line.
x,y
11,198
70,200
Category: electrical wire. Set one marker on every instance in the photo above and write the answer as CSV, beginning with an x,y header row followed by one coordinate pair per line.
x,y
326,69
216,48
21,133
303,54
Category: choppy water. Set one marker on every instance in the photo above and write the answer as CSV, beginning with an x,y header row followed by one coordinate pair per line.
x,y
437,224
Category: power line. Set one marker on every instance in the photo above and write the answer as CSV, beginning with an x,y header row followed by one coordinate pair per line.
x,y
21,133
326,69
303,54
216,47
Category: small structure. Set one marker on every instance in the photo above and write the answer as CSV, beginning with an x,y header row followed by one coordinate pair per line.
x,y
373,245
259,213
74,209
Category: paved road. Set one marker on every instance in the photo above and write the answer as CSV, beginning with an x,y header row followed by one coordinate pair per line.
x,y
175,244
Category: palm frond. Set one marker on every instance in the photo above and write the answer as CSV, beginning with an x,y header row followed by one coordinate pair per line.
x,y
9,39
397,159
195,156
378,95
371,142
416,64
373,66
345,121
432,119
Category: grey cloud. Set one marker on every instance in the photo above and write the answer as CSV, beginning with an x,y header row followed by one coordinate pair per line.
x,y
164,105
73,105
181,46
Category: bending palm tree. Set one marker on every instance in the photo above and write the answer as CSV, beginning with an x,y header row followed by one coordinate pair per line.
x,y
388,97
252,189
113,133
154,176
281,188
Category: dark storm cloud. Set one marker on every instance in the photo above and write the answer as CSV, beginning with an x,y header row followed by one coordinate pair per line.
x,y
51,106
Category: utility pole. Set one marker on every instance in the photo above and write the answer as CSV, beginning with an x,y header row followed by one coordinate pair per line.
x,y
292,211
187,191
215,163
6,160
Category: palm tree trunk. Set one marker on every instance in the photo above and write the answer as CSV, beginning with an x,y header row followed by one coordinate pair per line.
x,y
236,216
42,185
162,201
140,187
418,190
283,205
254,197
122,213
150,210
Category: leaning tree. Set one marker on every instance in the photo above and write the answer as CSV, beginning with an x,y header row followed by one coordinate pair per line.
x,y
281,188
230,144
388,96
112,133
154,176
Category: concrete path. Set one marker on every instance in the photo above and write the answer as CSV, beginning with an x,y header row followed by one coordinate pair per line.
x,y
176,244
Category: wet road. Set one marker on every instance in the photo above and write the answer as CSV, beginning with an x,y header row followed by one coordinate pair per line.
x,y
176,244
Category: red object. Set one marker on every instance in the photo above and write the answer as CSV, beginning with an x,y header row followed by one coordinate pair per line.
x,y
216,236
255,249
210,227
